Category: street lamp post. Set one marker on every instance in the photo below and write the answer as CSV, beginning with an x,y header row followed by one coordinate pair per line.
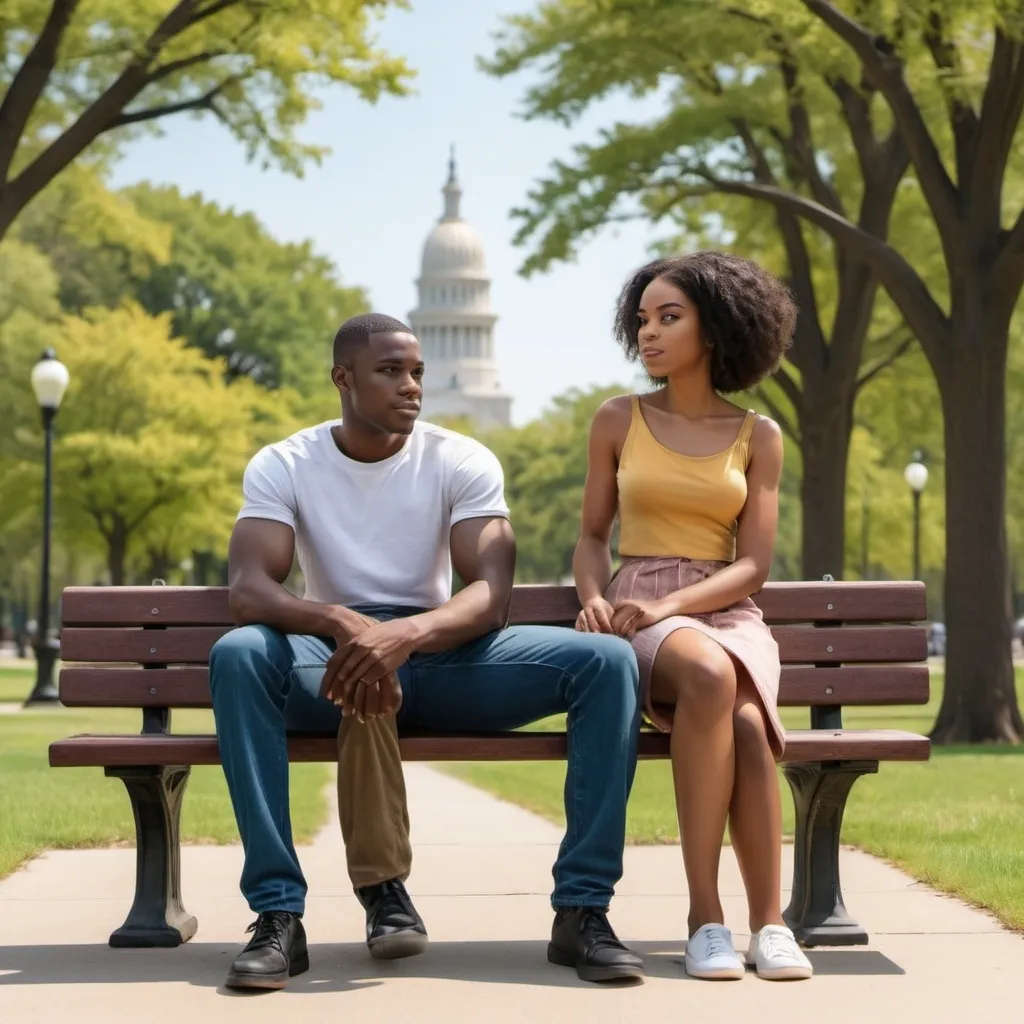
x,y
916,475
49,381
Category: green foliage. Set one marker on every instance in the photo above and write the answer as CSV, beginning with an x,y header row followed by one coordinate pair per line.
x,y
152,442
723,101
775,106
98,242
75,71
269,309
47,809
251,306
545,465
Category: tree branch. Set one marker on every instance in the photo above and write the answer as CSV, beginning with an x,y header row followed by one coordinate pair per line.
x,y
857,114
30,81
962,119
1001,108
99,517
96,118
777,414
884,363
801,142
885,72
1009,264
211,9
172,67
161,498
789,388
800,269
204,102
908,291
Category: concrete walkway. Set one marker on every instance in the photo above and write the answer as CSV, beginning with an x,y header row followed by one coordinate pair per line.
x,y
481,881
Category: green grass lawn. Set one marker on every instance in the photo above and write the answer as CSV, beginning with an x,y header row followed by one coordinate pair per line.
x,y
43,807
16,683
956,822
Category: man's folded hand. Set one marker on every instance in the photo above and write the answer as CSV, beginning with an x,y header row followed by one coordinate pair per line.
x,y
361,675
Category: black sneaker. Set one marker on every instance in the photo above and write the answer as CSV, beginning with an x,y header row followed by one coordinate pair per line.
x,y
581,937
276,952
393,928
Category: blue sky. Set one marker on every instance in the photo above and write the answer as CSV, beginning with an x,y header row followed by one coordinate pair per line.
x,y
371,203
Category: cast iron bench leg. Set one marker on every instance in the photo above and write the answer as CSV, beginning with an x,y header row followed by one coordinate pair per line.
x,y
157,917
816,912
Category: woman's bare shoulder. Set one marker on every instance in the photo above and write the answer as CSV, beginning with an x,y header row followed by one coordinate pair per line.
x,y
611,421
766,448
766,432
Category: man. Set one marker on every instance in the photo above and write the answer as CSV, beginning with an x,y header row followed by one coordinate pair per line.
x,y
378,508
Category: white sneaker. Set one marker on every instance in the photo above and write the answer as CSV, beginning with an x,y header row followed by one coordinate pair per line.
x,y
710,955
777,957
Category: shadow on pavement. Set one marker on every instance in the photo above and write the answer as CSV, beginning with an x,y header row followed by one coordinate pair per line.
x,y
337,967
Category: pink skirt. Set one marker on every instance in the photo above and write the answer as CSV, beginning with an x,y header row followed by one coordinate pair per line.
x,y
739,630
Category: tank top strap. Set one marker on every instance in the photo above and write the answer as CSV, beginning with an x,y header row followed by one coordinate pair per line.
x,y
634,427
746,432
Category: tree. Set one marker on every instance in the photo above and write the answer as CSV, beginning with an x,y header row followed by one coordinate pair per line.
x,y
980,224
904,57
900,414
75,71
267,308
744,108
97,240
152,442
545,466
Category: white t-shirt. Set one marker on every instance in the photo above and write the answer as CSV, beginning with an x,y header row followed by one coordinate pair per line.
x,y
377,532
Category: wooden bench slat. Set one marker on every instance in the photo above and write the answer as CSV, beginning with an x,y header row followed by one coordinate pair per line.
x,y
179,644
801,686
868,601
801,745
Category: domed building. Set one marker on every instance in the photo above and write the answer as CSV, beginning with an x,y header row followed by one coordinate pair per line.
x,y
454,322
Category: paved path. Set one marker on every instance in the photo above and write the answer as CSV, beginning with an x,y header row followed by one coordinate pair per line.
x,y
480,880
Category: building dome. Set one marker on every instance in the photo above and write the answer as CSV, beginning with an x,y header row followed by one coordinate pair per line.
x,y
453,249
454,321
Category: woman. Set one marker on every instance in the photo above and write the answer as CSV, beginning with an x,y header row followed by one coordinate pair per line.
x,y
694,480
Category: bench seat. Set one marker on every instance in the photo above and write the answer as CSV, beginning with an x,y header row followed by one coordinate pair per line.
x,y
841,645
88,751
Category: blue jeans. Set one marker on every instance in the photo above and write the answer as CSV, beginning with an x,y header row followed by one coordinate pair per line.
x,y
265,683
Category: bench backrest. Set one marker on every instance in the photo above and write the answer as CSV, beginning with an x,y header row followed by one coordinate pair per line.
x,y
840,643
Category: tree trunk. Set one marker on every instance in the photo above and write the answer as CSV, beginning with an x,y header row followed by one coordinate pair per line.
x,y
159,565
979,703
117,552
825,446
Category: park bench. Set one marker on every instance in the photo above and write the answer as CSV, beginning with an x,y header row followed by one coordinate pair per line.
x,y
841,644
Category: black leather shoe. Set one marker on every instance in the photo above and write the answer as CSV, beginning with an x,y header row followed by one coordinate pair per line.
x,y
276,952
581,937
393,928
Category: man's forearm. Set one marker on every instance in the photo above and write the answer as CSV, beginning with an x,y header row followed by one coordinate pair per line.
x,y
470,614
260,600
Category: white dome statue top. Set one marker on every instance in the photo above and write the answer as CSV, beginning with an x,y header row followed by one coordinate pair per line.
x,y
453,249
455,322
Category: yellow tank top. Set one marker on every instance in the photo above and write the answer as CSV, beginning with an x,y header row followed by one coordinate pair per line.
x,y
680,506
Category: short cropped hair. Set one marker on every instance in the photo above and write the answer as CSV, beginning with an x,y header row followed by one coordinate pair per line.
x,y
355,332
747,315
